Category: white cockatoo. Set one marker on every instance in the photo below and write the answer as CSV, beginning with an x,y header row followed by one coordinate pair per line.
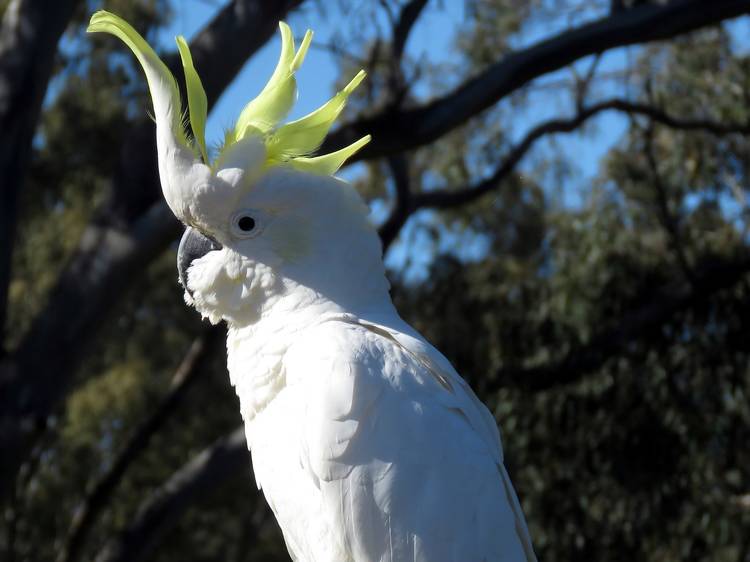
x,y
366,442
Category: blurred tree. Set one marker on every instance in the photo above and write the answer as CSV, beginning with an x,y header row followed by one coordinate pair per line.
x,y
607,331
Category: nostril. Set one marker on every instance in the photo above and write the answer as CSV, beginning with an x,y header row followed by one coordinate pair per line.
x,y
215,245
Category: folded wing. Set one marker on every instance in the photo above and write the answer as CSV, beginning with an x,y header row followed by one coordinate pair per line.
x,y
407,465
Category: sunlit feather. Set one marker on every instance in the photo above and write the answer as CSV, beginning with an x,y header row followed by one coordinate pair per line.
x,y
164,92
328,164
277,97
197,102
304,136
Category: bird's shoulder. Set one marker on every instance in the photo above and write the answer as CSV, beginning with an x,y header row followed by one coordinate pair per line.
x,y
346,364
353,375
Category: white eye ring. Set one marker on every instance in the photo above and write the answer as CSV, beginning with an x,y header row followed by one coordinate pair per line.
x,y
246,223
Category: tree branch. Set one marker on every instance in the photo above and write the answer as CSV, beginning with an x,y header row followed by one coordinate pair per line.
x,y
35,378
711,126
161,511
402,26
402,208
397,88
395,130
450,198
191,367
711,277
407,18
29,32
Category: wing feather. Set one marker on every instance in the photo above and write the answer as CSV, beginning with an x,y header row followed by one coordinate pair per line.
x,y
406,461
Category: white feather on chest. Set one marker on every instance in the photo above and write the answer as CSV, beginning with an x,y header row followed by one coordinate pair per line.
x,y
256,370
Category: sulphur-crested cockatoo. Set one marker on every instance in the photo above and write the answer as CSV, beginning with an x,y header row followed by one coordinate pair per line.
x,y
366,442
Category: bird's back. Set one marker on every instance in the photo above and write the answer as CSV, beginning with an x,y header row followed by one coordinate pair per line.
x,y
375,450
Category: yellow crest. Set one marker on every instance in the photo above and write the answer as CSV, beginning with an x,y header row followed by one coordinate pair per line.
x,y
290,143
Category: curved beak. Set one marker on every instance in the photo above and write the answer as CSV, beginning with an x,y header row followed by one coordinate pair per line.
x,y
193,245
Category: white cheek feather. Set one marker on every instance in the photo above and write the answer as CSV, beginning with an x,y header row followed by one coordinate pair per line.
x,y
228,286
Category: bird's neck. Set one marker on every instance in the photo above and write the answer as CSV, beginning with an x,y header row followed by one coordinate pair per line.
x,y
255,351
297,307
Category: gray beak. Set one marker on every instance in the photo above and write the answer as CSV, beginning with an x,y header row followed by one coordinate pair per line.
x,y
193,245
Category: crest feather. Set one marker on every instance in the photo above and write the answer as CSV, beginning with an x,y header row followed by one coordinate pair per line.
x,y
166,100
197,102
303,136
291,143
328,164
279,94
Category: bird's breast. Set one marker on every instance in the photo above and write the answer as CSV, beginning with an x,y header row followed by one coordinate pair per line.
x,y
256,370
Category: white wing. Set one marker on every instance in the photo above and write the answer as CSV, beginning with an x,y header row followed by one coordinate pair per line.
x,y
406,460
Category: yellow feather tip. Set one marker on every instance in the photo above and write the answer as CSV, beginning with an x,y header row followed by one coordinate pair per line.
x,y
197,102
290,143
329,164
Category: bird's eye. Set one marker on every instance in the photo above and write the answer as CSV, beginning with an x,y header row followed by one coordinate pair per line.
x,y
246,223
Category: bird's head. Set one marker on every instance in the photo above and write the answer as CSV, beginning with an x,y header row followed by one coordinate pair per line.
x,y
263,217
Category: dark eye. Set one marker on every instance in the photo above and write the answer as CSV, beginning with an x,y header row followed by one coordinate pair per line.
x,y
246,223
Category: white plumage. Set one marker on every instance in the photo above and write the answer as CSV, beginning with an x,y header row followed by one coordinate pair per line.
x,y
376,450
366,442
368,446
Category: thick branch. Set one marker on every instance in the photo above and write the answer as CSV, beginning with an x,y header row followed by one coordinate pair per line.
x,y
161,511
398,130
188,371
114,249
29,32
636,325
402,208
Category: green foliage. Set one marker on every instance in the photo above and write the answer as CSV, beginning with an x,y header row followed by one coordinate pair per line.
x,y
635,460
